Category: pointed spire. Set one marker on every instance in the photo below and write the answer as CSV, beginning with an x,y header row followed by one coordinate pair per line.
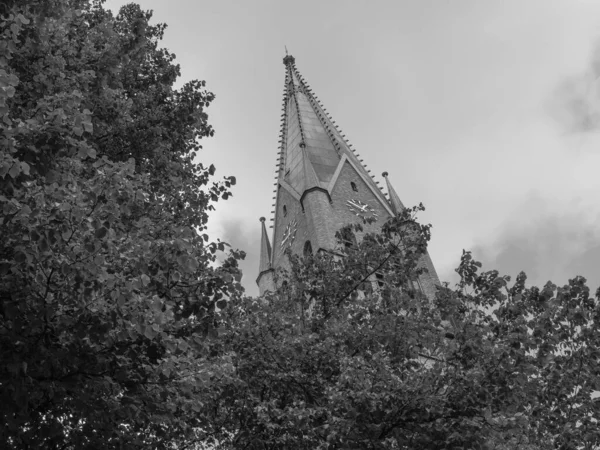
x,y
311,143
395,201
314,159
265,249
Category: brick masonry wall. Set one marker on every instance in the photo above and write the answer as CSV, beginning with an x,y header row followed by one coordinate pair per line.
x,y
342,192
294,213
321,219
428,280
266,281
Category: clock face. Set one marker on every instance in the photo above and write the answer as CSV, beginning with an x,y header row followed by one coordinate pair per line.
x,y
360,209
288,235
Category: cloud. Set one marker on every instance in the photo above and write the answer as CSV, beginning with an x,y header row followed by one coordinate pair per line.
x,y
575,104
237,234
554,246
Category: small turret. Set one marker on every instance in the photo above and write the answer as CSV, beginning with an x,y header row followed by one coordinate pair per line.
x,y
427,281
395,201
266,273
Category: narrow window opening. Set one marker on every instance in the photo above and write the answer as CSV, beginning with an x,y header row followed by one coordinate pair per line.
x,y
353,185
285,289
379,279
284,211
307,249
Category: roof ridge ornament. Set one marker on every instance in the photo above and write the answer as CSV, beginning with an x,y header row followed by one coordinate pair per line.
x,y
289,59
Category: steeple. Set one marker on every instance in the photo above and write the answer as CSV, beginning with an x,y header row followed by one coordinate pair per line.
x,y
395,201
321,182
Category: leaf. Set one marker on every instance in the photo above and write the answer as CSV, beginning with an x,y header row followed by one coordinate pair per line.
x,y
13,80
149,333
87,124
52,176
20,257
14,171
487,414
222,304
171,345
188,263
101,233
40,278
23,19
145,280
43,245
191,264
25,211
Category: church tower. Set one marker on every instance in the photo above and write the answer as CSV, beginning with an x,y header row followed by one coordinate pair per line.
x,y
321,185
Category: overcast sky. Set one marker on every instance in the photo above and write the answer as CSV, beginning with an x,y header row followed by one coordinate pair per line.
x,y
485,111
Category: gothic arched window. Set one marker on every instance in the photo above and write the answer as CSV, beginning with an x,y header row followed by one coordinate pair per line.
x,y
307,249
353,186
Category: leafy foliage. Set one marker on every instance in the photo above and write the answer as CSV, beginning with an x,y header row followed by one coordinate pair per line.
x,y
348,354
109,286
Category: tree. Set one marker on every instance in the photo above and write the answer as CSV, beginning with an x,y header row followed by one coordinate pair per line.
x,y
110,290
349,354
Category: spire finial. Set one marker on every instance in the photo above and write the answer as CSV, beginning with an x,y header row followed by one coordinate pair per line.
x,y
262,219
289,59
384,174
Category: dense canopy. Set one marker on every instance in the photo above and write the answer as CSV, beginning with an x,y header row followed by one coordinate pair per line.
x,y
109,286
349,354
